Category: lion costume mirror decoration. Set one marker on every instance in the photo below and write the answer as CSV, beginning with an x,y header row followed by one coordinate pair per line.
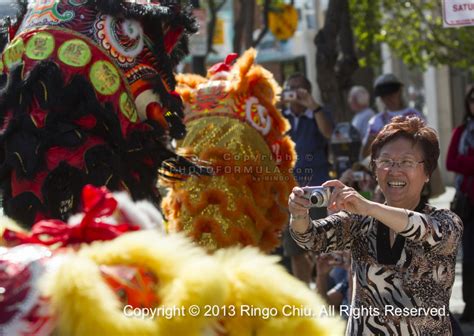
x,y
88,97
233,125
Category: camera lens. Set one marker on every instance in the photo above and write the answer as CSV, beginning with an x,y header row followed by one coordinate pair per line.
x,y
316,198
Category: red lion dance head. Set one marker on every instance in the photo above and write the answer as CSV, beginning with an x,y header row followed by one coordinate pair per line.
x,y
88,97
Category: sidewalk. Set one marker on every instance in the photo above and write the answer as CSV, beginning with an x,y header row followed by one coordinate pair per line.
x,y
456,305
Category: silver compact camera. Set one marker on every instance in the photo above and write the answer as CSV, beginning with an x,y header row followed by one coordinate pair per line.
x,y
289,95
318,196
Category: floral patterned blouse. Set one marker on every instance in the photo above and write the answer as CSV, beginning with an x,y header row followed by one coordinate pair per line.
x,y
402,289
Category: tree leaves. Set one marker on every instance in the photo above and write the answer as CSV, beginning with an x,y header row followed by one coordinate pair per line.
x,y
414,31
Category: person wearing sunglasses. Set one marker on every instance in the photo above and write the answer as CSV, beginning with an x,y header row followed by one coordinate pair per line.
x,y
404,251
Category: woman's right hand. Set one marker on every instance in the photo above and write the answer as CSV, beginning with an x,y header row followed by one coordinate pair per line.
x,y
298,205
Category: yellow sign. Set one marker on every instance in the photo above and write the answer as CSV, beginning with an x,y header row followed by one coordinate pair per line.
x,y
218,38
283,22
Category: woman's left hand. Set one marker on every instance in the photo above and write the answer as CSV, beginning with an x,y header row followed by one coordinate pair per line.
x,y
346,198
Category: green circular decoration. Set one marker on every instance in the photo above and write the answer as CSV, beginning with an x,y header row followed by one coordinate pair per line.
x,y
105,78
14,53
40,46
75,53
1,66
127,107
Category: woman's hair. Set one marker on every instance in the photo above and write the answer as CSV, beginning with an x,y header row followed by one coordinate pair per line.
x,y
415,130
467,109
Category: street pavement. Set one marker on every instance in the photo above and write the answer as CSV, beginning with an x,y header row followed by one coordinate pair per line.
x,y
456,305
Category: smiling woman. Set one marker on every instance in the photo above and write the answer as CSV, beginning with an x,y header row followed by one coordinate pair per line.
x,y
403,252
404,156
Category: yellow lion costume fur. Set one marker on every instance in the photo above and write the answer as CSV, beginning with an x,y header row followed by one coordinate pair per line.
x,y
166,285
233,125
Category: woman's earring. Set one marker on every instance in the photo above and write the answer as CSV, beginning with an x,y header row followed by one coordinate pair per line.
x,y
427,180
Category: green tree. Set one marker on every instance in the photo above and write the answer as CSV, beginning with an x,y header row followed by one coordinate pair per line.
x,y
336,59
213,7
244,24
413,29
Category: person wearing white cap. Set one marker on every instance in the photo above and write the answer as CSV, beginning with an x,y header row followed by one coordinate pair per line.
x,y
389,88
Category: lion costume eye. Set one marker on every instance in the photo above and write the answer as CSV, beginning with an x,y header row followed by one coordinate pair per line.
x,y
123,38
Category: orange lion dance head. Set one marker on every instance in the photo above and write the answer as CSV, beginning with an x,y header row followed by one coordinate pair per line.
x,y
234,126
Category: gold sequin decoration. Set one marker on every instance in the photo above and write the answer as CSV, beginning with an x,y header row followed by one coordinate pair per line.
x,y
246,175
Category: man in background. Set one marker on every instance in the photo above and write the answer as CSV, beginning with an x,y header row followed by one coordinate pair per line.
x,y
389,88
311,127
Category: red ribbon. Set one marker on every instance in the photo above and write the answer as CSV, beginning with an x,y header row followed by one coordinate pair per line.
x,y
223,66
98,204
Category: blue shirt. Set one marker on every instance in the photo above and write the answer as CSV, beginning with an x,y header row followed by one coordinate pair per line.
x,y
312,166
361,121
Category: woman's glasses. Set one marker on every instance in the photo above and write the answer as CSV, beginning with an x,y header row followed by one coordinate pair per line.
x,y
389,163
